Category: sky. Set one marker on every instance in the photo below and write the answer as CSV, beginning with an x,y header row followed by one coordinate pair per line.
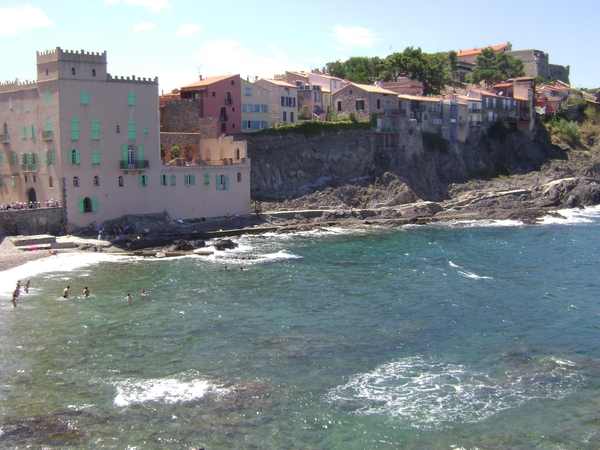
x,y
178,40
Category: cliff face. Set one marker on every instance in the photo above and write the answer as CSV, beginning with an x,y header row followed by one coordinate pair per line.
x,y
292,165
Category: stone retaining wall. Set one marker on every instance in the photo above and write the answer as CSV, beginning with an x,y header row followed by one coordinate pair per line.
x,y
30,222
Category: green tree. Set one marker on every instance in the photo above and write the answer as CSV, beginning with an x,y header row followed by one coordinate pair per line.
x,y
492,67
453,61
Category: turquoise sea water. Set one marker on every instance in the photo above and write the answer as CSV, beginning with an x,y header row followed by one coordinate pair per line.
x,y
471,335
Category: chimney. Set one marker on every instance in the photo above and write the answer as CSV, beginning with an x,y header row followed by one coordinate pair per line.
x,y
200,77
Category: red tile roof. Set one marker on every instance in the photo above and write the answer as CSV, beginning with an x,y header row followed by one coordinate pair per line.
x,y
477,51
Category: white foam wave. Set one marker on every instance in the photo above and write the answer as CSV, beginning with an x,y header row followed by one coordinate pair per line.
x,y
163,390
467,274
572,216
429,394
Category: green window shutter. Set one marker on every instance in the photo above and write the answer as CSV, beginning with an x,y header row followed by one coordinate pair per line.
x,y
1,157
95,204
124,154
141,180
226,182
145,129
80,204
163,180
74,129
47,97
173,180
77,157
69,157
206,178
32,131
95,156
131,99
46,157
218,181
140,155
48,124
131,130
85,98
95,129
24,132
193,180
53,161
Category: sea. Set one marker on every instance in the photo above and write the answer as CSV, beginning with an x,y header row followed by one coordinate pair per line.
x,y
458,335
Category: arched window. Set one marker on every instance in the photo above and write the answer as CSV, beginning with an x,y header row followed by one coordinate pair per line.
x,y
118,129
239,176
87,204
120,181
93,72
72,70
75,181
74,157
237,153
50,182
46,71
96,180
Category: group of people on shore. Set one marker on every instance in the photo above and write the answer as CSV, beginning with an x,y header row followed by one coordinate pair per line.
x,y
24,206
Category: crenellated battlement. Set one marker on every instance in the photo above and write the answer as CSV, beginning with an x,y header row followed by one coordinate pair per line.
x,y
133,78
59,54
7,86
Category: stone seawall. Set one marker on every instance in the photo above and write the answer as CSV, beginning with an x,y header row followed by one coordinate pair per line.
x,y
30,222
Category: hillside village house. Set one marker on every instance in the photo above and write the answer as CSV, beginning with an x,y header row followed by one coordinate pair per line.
x,y
363,99
255,107
220,104
91,142
283,101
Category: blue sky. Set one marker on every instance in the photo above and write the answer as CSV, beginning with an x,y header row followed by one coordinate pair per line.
x,y
177,40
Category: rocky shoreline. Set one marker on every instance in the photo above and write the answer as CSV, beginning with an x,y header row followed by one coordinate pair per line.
x,y
524,199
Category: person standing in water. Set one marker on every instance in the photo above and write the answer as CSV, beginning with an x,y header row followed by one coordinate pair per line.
x,y
26,288
128,297
86,292
66,292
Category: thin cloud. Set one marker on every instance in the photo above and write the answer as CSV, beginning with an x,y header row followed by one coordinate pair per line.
x,y
188,28
153,5
16,20
353,37
145,26
224,56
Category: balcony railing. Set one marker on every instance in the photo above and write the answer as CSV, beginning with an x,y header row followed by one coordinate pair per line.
x,y
47,135
223,117
394,112
4,138
135,165
228,100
